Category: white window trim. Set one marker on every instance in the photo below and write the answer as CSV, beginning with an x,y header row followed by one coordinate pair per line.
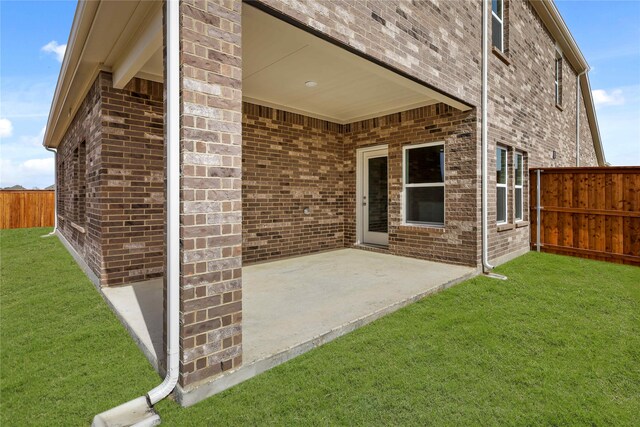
x,y
505,186
521,186
434,184
501,20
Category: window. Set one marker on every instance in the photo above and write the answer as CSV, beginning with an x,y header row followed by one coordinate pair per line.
x,y
497,24
424,184
558,79
501,185
518,166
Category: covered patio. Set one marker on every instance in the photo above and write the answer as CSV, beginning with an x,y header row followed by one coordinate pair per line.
x,y
291,157
293,305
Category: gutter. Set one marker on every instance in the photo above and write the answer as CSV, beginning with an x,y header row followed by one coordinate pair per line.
x,y
55,189
139,411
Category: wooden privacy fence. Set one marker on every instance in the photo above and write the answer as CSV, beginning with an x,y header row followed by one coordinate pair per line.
x,y
26,208
587,212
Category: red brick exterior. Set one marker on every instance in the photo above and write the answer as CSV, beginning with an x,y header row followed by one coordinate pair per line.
x,y
455,243
290,162
83,233
211,208
113,158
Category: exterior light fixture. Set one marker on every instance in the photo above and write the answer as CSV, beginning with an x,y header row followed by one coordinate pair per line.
x,y
310,83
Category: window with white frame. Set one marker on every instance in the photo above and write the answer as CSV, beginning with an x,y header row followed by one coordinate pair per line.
x,y
497,24
519,181
558,79
423,184
501,184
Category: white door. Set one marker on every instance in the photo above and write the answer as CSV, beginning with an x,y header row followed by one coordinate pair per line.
x,y
374,195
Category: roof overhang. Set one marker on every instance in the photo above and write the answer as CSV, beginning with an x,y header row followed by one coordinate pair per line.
x,y
119,36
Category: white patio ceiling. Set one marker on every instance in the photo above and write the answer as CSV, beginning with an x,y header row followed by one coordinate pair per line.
x,y
278,59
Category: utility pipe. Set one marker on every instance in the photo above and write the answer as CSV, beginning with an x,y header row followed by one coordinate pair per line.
x,y
486,266
140,411
55,190
578,117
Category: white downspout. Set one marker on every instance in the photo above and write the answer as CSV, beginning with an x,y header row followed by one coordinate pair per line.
x,y
578,117
139,411
173,204
486,266
55,190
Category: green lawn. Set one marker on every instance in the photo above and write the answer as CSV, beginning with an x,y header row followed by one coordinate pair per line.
x,y
556,344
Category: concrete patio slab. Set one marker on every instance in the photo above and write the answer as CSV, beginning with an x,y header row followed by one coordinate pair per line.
x,y
292,301
293,305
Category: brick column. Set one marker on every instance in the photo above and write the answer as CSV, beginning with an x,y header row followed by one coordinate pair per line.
x,y
211,209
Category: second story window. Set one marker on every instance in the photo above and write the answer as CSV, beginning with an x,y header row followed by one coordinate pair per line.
x,y
497,24
558,79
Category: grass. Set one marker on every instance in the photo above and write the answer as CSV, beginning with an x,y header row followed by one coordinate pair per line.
x,y
556,344
64,356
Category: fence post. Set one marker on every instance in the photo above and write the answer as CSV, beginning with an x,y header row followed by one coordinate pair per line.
x,y
538,210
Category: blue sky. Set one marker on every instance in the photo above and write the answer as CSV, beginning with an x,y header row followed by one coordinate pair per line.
x,y
33,35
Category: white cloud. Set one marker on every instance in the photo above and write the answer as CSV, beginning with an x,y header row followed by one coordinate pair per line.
x,y
56,49
602,97
6,128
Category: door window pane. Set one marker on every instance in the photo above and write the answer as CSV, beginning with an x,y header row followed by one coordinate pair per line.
x,y
425,204
378,195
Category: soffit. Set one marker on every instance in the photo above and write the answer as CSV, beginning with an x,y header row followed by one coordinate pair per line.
x,y
279,58
102,34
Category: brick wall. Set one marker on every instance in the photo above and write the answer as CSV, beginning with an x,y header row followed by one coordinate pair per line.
x,y
111,181
132,198
456,242
211,209
440,44
290,162
523,116
78,163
